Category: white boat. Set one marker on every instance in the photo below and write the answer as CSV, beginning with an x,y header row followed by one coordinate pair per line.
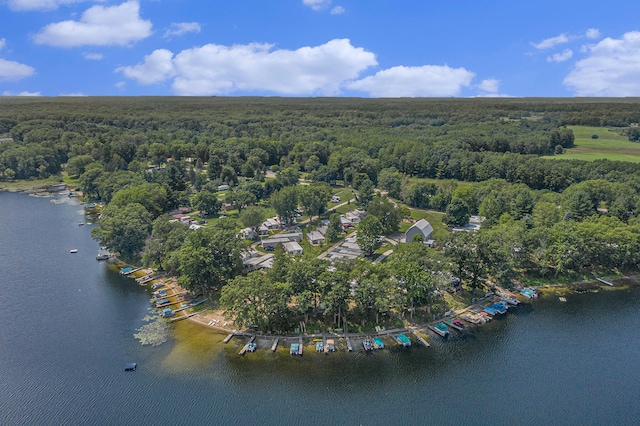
x,y
73,251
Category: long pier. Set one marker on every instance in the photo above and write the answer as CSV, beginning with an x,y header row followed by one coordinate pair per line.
x,y
275,344
419,337
349,347
604,282
226,339
452,325
394,338
300,346
246,347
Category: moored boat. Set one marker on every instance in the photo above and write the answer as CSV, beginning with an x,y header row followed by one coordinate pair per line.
x,y
442,329
368,346
319,347
378,343
529,293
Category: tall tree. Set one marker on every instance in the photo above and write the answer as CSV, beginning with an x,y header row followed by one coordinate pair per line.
x,y
123,229
285,203
369,232
314,197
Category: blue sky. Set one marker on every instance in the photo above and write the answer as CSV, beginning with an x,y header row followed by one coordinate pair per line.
x,y
365,48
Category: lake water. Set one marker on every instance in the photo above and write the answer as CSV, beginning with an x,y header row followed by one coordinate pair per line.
x,y
67,326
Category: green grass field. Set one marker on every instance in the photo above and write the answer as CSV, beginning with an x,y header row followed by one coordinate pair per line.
x,y
609,145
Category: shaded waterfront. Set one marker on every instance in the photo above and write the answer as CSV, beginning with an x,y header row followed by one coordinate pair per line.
x,y
67,330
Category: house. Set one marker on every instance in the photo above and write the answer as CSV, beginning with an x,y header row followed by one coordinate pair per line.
x,y
263,230
346,223
258,262
322,229
422,228
475,223
315,238
247,233
355,216
272,223
283,238
228,206
292,248
348,250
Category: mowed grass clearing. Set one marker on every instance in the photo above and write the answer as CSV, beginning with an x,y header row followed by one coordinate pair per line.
x,y
609,145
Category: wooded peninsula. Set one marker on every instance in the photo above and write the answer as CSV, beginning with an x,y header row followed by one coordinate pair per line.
x,y
334,211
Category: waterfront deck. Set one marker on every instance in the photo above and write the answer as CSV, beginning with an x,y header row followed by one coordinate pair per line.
x,y
248,346
419,337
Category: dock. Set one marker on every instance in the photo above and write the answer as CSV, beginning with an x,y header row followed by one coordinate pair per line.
x,y
349,347
604,282
245,348
275,344
452,325
394,338
226,339
126,271
419,337
300,347
181,317
438,331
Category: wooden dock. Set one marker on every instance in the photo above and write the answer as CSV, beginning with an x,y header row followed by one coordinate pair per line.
x,y
452,325
300,347
604,282
438,332
349,347
246,347
226,339
275,344
419,337
181,317
394,338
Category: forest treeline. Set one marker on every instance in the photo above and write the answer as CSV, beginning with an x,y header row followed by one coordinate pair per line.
x,y
146,156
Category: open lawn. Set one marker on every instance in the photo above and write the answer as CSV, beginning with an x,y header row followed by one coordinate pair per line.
x,y
609,145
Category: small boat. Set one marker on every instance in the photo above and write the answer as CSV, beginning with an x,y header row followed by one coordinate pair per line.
x,y
378,343
489,310
80,223
161,302
103,256
499,308
167,312
295,348
529,293
330,346
562,299
251,347
73,251
404,340
126,271
442,329
368,346
131,366
319,347
157,285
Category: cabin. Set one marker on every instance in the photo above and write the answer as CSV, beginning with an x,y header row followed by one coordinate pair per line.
x,y
248,233
272,242
272,223
292,248
422,228
315,238
258,262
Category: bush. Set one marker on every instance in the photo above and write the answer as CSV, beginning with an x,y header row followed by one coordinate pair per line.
x,y
594,136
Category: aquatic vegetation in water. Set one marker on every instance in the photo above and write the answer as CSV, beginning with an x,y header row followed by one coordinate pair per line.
x,y
155,333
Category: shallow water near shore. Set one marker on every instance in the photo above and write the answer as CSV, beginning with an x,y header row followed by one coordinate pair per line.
x,y
67,326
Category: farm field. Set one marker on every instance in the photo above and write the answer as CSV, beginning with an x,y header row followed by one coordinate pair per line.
x,y
609,145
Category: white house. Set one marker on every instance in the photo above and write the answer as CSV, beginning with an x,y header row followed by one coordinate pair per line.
x,y
315,237
292,247
247,233
261,262
422,228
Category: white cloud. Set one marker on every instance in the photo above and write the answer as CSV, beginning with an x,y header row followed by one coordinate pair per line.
x,y
11,70
338,10
77,94
91,56
121,84
560,57
21,94
99,26
612,68
489,85
317,4
3,43
214,69
592,33
551,42
427,80
39,4
180,28
157,67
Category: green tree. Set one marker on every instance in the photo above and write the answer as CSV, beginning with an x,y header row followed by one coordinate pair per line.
x,y
457,213
390,179
252,217
285,203
152,196
314,197
369,232
387,212
123,229
335,227
206,202
254,299
208,258
365,193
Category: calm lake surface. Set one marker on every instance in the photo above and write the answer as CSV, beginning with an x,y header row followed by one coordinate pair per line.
x,y
67,326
